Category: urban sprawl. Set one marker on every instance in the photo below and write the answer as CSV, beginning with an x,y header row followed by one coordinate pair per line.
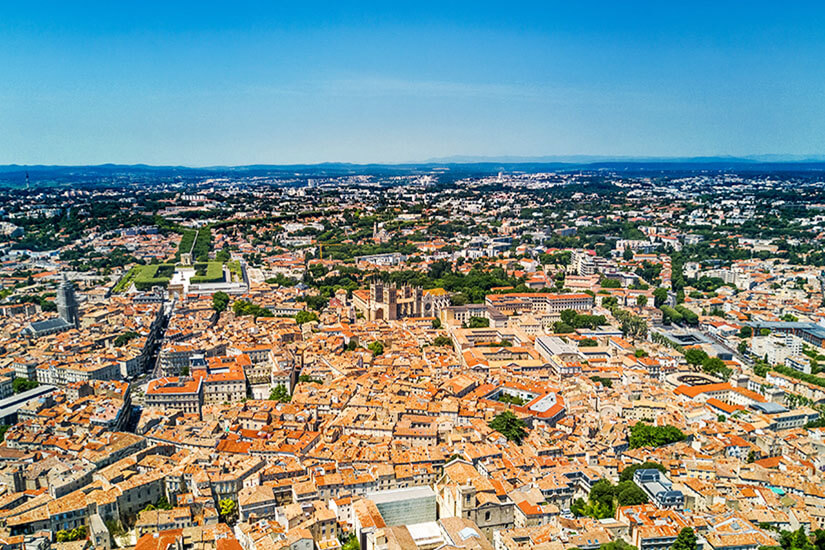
x,y
425,360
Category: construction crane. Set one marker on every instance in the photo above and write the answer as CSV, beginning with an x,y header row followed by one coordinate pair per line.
x,y
321,248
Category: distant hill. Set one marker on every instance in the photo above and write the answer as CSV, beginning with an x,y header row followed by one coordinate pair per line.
x,y
457,166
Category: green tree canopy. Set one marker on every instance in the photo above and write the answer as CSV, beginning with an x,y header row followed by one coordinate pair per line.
x,y
685,540
305,317
645,435
220,300
279,393
510,426
627,473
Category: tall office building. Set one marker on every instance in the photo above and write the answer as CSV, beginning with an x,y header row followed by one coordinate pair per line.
x,y
67,307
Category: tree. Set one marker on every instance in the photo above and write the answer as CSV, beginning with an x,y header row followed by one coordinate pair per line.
x,y
578,508
617,544
745,332
568,316
717,367
602,493
641,300
645,435
19,385
68,536
479,322
351,543
627,473
376,347
659,296
604,496
220,300
436,323
751,457
685,540
125,338
630,494
115,528
279,393
627,255
795,540
695,357
442,341
228,509
245,307
305,317
560,327
510,426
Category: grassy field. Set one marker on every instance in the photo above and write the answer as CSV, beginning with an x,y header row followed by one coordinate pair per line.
x,y
207,272
153,275
186,242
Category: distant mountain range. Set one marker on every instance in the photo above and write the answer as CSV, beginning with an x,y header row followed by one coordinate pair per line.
x,y
578,160
597,159
455,167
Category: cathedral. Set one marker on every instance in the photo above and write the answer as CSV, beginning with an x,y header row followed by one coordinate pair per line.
x,y
68,313
386,301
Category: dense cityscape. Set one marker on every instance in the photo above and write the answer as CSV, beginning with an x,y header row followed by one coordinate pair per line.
x,y
413,357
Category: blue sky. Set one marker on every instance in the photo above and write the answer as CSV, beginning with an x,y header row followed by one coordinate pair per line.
x,y
200,83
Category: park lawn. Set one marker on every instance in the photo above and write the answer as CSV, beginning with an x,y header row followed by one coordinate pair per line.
x,y
154,275
207,272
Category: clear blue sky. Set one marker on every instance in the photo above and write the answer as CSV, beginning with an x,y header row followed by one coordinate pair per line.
x,y
202,83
